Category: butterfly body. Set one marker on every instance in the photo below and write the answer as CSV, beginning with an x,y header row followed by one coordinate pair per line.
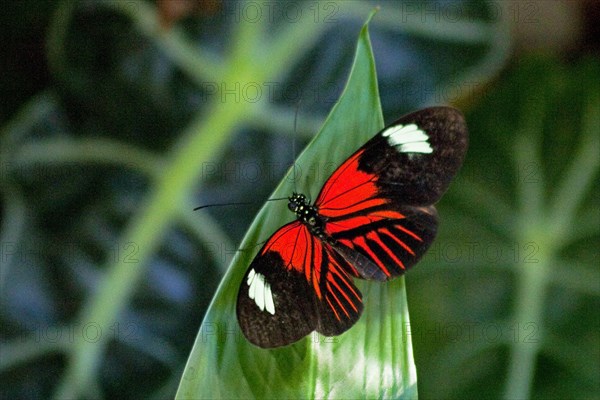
x,y
309,215
373,219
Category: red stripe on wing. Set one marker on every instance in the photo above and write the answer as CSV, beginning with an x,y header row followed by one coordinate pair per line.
x,y
409,232
361,243
299,251
341,223
374,236
400,242
389,240
342,297
348,190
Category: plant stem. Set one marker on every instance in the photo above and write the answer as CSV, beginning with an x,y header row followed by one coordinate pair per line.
x,y
530,297
531,272
579,177
89,151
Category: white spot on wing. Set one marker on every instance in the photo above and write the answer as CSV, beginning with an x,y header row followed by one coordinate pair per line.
x,y
251,277
269,304
260,292
408,139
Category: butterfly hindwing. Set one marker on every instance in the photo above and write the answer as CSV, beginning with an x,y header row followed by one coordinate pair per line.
x,y
387,242
341,304
294,286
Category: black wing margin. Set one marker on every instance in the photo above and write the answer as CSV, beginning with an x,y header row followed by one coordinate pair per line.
x,y
417,173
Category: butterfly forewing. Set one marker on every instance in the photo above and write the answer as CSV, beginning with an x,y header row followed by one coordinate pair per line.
x,y
416,157
375,219
411,162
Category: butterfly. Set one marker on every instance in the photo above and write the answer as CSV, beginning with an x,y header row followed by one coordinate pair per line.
x,y
373,219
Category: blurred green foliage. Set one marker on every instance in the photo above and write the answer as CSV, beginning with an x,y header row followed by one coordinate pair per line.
x,y
506,303
106,273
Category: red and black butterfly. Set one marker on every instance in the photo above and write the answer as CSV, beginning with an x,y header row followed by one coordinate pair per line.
x,y
373,219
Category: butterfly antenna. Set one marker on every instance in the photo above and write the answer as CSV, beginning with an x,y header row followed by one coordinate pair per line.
x,y
277,199
294,167
252,247
223,204
236,204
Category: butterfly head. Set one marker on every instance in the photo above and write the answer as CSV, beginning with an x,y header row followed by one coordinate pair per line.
x,y
296,202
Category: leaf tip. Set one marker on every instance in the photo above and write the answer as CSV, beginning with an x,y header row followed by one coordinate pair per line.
x,y
372,14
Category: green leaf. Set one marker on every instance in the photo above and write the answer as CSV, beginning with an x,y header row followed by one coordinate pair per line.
x,y
372,359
